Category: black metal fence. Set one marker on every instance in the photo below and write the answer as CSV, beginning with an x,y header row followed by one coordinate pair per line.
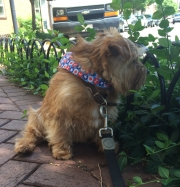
x,y
25,50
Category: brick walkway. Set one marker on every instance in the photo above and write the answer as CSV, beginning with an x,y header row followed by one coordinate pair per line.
x,y
87,168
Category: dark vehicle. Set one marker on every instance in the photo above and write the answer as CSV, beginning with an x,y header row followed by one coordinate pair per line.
x,y
176,18
151,22
123,24
144,20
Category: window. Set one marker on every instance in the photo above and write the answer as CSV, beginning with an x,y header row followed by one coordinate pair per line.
x,y
2,12
37,7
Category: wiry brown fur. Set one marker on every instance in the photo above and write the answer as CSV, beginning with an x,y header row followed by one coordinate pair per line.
x,y
69,113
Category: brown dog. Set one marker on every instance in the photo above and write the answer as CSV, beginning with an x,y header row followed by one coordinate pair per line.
x,y
69,112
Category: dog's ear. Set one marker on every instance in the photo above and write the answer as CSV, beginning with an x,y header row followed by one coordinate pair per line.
x,y
118,48
113,50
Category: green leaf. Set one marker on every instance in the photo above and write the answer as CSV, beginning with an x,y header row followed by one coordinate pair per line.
x,y
151,38
152,166
177,173
176,38
167,143
157,108
168,10
162,137
164,42
80,18
149,150
138,26
54,70
157,15
160,144
79,28
36,70
145,119
46,74
154,94
157,157
164,71
163,172
64,41
43,86
166,181
126,14
127,5
175,135
138,180
115,4
159,2
164,24
122,160
24,114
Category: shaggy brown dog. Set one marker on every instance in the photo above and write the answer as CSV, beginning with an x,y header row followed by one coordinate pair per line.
x,y
69,112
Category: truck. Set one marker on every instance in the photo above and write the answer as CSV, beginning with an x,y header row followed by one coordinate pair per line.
x,y
62,15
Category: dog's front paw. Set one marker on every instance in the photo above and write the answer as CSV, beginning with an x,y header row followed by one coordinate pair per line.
x,y
24,147
62,154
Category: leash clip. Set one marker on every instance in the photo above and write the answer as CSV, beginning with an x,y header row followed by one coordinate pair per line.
x,y
104,113
106,130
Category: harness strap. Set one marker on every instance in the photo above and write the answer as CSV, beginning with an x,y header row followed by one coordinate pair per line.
x,y
111,159
98,97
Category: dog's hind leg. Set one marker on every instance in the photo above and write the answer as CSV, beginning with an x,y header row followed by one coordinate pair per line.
x,y
59,137
31,135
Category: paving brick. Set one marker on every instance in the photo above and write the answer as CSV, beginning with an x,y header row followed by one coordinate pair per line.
x,y
88,156
12,115
42,154
8,86
5,100
5,82
15,125
62,175
2,94
13,172
13,139
3,121
12,89
8,107
26,97
5,134
17,93
6,152
27,102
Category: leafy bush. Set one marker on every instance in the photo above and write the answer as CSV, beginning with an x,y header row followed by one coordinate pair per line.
x,y
149,133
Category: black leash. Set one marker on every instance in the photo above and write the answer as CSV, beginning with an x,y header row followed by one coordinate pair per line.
x,y
106,135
